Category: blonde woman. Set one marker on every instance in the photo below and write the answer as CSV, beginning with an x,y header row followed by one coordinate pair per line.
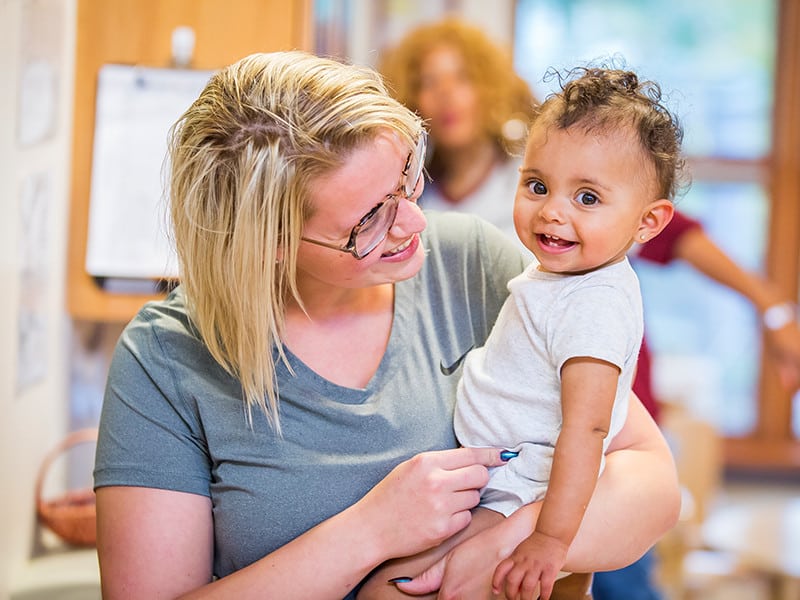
x,y
281,423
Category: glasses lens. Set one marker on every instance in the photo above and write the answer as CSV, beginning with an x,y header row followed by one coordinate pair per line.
x,y
373,231
415,164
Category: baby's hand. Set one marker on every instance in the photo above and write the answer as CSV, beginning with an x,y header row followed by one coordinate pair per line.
x,y
531,570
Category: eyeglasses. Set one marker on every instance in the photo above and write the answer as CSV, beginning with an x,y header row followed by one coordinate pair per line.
x,y
374,226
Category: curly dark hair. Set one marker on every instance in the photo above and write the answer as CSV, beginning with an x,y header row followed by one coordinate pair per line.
x,y
600,98
504,94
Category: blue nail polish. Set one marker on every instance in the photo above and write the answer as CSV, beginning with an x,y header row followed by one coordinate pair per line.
x,y
508,455
400,580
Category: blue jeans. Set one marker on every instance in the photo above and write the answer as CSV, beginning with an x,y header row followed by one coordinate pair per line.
x,y
634,582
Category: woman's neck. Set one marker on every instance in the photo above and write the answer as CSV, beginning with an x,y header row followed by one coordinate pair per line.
x,y
334,322
323,302
461,171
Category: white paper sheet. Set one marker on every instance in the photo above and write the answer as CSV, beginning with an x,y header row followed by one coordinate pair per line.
x,y
128,221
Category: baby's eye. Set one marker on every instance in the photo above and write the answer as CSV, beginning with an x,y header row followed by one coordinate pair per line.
x,y
537,187
587,199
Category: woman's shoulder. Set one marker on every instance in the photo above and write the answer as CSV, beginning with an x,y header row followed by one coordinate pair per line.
x,y
163,327
464,243
168,314
466,233
161,362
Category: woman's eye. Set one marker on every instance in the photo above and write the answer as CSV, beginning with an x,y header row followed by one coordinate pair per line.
x,y
537,187
587,199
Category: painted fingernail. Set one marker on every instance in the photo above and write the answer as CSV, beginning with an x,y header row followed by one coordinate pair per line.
x,y
400,580
508,455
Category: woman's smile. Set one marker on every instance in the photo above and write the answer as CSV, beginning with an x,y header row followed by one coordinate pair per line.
x,y
404,250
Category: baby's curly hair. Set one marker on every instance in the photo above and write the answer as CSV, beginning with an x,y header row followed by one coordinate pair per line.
x,y
504,94
605,99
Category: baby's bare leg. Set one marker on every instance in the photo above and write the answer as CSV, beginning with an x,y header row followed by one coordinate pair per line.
x,y
377,587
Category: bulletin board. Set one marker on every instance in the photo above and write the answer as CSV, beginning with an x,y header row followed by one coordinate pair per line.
x,y
138,33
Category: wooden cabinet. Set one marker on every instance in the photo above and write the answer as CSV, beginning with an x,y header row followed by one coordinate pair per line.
x,y
140,32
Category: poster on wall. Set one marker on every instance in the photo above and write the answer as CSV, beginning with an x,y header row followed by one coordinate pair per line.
x,y
35,201
41,42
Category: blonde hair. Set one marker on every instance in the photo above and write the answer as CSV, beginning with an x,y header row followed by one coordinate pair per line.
x,y
242,158
504,95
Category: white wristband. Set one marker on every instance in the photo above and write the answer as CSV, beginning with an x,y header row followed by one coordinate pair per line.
x,y
779,316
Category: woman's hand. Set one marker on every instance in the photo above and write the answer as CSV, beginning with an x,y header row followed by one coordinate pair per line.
x,y
466,571
426,499
639,478
784,347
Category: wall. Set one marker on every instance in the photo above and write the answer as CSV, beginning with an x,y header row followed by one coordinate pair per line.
x,y
37,38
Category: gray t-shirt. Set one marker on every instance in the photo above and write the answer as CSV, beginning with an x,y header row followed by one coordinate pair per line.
x,y
174,419
492,200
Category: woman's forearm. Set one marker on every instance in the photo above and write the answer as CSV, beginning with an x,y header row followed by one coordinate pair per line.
x,y
422,502
696,248
159,544
326,562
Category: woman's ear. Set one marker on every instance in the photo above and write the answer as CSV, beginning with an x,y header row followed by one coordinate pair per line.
x,y
656,216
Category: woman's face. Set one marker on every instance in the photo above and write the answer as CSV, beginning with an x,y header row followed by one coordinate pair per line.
x,y
371,174
448,98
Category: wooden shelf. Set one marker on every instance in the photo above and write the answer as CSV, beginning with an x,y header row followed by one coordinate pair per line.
x,y
139,32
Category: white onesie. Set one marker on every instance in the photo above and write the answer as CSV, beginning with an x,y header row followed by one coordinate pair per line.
x,y
510,392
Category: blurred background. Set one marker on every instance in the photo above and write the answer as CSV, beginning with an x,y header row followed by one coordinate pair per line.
x,y
730,70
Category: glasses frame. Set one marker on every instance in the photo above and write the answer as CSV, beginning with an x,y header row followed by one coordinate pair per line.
x,y
407,192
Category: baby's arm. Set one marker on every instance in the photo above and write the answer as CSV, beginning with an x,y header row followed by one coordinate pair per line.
x,y
588,387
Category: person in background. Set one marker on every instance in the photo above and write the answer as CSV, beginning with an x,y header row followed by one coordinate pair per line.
x,y
281,423
477,108
684,239
553,380
412,66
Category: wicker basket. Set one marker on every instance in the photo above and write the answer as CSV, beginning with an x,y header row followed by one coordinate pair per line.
x,y
70,516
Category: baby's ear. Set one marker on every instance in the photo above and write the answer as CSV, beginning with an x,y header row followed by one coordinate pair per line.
x,y
656,216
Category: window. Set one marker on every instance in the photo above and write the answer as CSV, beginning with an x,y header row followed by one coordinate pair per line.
x,y
717,63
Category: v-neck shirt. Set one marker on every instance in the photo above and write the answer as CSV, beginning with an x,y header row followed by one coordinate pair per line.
x,y
174,419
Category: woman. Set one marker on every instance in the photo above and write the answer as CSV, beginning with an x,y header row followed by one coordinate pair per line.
x,y
281,424
477,107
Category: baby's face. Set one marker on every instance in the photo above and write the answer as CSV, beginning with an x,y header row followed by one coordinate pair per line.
x,y
582,196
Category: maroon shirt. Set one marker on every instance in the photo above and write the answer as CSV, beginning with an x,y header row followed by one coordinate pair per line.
x,y
661,249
